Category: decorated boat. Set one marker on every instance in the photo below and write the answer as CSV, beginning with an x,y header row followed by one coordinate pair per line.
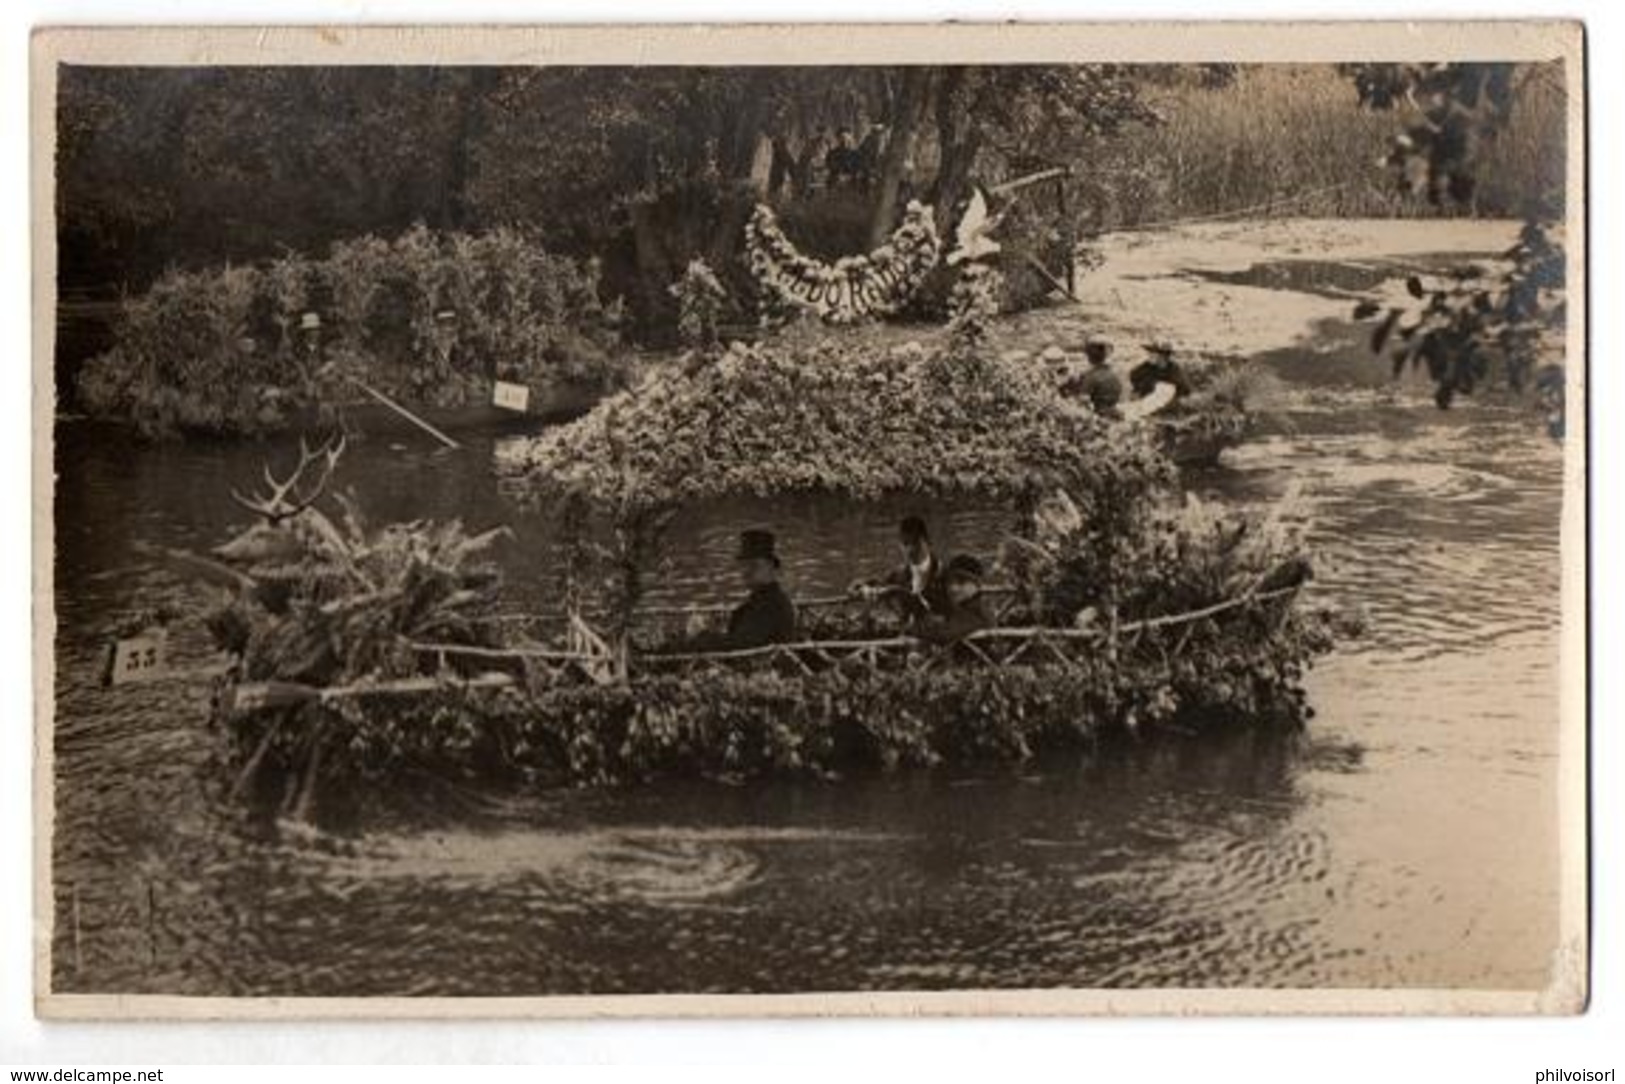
x,y
1119,605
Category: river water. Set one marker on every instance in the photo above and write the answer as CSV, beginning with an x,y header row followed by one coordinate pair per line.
x,y
1409,838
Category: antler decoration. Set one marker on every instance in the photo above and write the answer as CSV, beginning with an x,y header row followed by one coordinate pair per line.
x,y
284,502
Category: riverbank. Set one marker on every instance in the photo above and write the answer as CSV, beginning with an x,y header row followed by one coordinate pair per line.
x,y
1242,288
1214,290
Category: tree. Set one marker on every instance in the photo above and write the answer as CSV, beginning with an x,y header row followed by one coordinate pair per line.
x,y
205,165
646,168
1470,329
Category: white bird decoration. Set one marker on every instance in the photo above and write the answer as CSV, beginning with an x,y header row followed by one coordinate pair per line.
x,y
971,240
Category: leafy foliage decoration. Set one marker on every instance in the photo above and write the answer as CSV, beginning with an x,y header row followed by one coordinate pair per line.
x,y
826,417
1455,108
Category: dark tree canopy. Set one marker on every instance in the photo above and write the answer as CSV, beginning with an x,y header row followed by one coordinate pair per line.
x,y
200,165
646,169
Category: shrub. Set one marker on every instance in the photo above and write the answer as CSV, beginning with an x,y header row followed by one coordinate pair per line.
x,y
187,357
429,318
701,303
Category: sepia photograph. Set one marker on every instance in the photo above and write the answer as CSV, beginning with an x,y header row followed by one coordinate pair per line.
x,y
1064,519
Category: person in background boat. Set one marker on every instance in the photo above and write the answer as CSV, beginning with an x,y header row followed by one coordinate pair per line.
x,y
841,164
1159,367
966,609
866,159
767,616
1059,368
813,162
1098,384
308,355
916,588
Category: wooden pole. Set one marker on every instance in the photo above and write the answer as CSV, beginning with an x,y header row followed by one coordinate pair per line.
x,y
1049,278
1069,237
254,761
407,414
1031,178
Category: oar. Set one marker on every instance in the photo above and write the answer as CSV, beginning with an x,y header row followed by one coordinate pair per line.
x,y
407,414
1056,283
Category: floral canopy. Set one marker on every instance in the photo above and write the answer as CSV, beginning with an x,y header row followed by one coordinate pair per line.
x,y
763,421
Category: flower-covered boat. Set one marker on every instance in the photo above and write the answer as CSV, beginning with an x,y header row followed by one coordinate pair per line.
x,y
1123,605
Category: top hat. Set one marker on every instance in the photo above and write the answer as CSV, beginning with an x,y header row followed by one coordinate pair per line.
x,y
757,545
912,527
964,566
1159,346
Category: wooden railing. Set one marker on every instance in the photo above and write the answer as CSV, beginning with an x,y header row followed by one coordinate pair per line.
x,y
542,664
999,599
996,646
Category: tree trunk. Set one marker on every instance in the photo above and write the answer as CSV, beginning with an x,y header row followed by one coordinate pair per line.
x,y
904,121
958,143
729,236
653,263
954,178
738,138
467,134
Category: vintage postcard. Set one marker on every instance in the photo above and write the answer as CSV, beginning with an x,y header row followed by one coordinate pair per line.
x,y
800,520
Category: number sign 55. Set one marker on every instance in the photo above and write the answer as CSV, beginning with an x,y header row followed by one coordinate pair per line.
x,y
137,658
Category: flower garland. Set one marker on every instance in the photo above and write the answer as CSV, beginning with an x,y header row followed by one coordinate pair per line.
x,y
854,286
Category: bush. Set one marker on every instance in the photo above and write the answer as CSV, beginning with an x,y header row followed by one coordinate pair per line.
x,y
429,318
187,357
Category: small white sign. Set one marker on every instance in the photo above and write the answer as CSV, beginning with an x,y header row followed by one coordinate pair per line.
x,y
138,658
511,396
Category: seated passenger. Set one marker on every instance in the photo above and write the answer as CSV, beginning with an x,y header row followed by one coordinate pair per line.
x,y
767,616
1098,384
916,587
1158,368
967,609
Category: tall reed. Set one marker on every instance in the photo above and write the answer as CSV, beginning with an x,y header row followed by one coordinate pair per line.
x,y
1292,139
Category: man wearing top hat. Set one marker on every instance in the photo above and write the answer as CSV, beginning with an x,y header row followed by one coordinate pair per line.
x,y
767,616
915,587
